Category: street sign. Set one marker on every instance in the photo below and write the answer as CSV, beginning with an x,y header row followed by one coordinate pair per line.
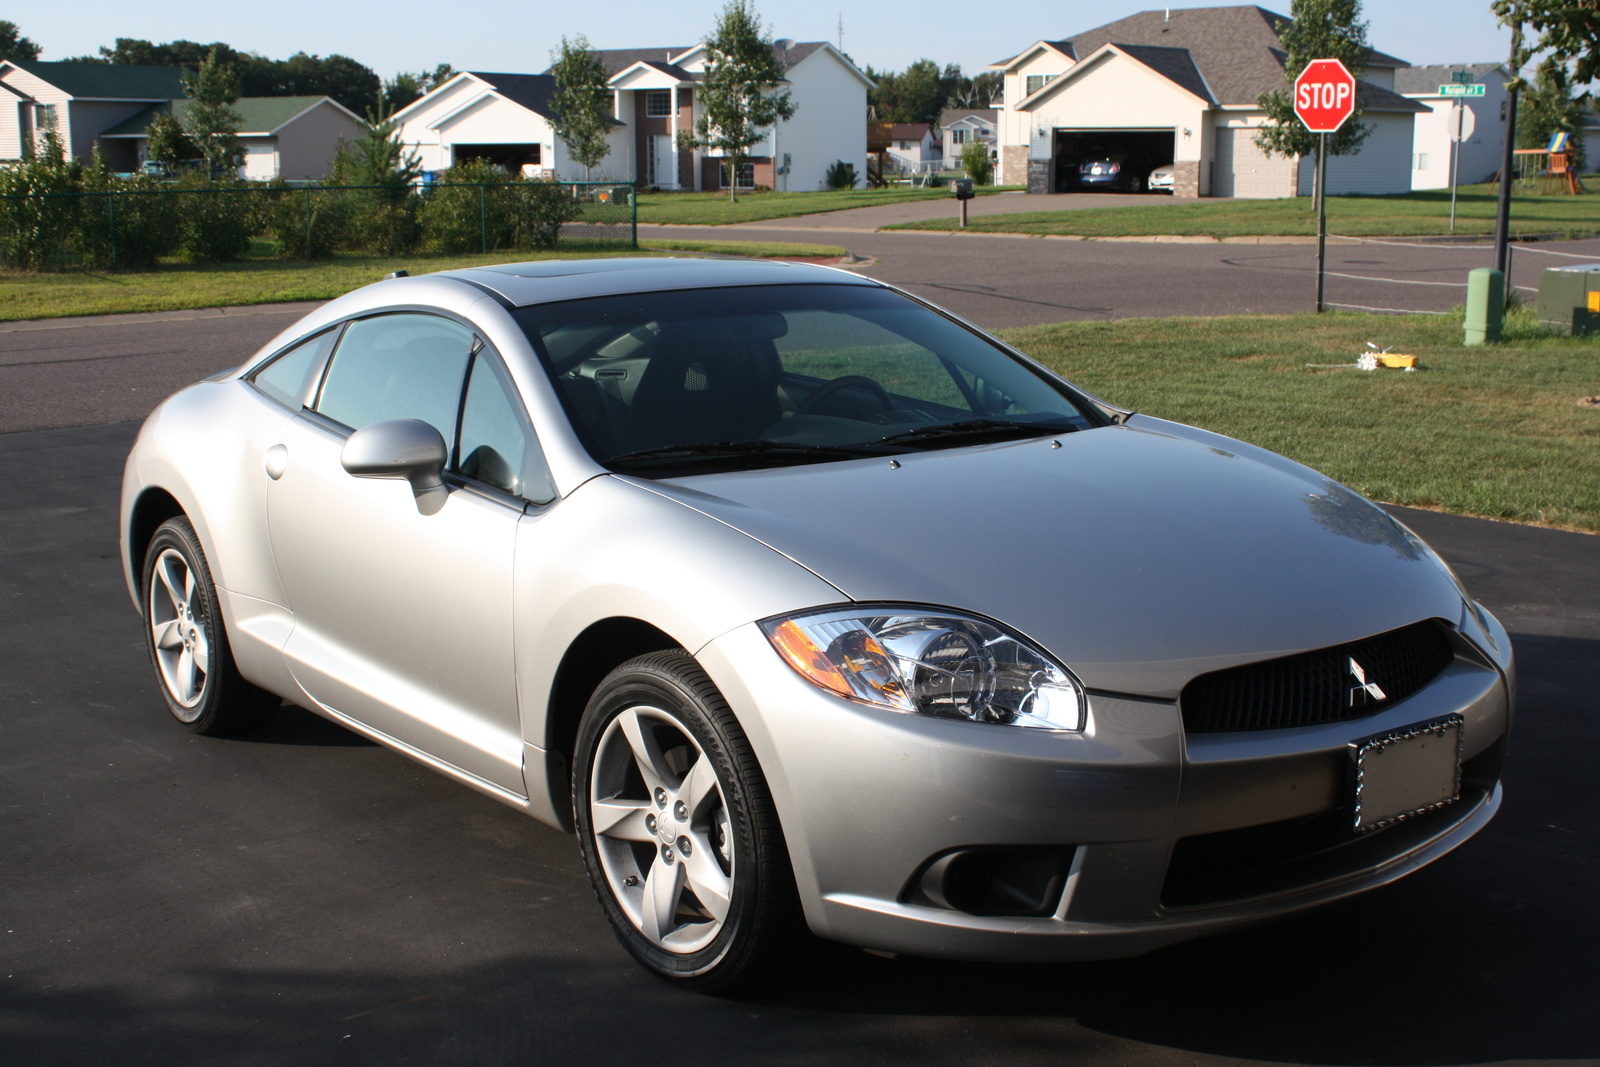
x,y
1324,95
1463,77
1460,121
1462,90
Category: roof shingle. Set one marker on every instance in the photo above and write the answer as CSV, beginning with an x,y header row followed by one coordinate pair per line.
x,y
111,81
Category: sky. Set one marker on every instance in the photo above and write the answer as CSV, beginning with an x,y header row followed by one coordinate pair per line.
x,y
502,35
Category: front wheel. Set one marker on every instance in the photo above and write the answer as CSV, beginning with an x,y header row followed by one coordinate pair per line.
x,y
677,829
187,643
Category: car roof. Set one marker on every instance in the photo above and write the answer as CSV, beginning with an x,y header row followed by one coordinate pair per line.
x,y
545,281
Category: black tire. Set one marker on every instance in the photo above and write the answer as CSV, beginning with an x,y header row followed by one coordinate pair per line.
x,y
193,664
1135,185
666,696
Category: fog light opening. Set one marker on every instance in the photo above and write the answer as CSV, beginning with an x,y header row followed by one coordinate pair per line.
x,y
994,881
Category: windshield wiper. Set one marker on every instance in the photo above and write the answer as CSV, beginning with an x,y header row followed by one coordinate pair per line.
x,y
975,428
735,449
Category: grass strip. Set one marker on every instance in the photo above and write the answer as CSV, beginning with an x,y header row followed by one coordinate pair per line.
x,y
181,287
1493,431
1424,213
714,209
755,249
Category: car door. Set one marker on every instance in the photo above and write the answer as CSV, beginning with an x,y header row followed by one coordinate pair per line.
x,y
403,621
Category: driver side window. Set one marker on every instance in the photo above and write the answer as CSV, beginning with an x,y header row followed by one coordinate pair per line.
x,y
399,366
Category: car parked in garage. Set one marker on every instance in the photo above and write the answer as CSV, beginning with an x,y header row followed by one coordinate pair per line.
x,y
1163,179
1127,171
806,604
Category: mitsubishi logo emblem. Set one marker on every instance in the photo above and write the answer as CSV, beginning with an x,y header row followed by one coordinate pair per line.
x,y
1364,692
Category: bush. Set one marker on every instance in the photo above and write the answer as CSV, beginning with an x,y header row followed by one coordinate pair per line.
x,y
38,213
976,162
212,219
842,175
307,221
130,224
380,222
477,206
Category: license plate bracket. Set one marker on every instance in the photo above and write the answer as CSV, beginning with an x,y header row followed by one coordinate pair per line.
x,y
1407,772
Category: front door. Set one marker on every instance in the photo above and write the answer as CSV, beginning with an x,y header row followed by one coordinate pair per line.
x,y
662,163
402,621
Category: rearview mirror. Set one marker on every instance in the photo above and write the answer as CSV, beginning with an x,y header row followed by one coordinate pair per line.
x,y
408,449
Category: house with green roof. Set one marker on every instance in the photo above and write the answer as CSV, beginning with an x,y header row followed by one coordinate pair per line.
x,y
111,105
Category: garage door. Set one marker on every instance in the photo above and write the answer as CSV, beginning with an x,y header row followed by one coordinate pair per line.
x,y
1243,169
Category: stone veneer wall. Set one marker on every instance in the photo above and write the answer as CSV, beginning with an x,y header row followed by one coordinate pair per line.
x,y
1186,179
1013,164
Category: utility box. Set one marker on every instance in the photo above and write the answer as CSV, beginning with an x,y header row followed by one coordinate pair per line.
x,y
1569,299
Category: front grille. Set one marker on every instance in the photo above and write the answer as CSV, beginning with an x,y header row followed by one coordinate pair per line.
x,y
1317,687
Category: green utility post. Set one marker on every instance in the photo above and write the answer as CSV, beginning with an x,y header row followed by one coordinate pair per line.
x,y
1486,300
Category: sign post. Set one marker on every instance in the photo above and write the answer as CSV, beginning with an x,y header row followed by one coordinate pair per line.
x,y
1461,123
1324,100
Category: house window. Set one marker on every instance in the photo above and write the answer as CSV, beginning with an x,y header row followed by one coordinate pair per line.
x,y
658,103
958,136
1038,81
905,146
1422,161
746,176
44,117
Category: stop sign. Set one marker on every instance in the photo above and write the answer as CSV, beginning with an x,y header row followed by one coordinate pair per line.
x,y
1324,95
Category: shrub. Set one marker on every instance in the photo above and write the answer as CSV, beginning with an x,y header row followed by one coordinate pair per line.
x,y
842,175
476,205
976,162
38,213
130,224
212,219
378,221
308,221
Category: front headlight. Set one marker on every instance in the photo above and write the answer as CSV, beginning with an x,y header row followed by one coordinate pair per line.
x,y
929,663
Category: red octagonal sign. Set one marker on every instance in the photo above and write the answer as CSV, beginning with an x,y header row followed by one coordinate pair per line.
x,y
1324,95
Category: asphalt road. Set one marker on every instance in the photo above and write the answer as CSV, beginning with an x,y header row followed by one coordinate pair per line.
x,y
68,372
304,896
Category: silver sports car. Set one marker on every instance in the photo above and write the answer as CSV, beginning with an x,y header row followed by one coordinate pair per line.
x,y
805,604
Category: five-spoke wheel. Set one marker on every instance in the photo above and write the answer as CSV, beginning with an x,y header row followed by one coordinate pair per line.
x,y
676,826
188,646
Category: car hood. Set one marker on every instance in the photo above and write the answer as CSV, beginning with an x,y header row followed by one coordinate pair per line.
x,y
1140,555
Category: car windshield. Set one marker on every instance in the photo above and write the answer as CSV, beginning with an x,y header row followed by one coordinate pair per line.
x,y
715,379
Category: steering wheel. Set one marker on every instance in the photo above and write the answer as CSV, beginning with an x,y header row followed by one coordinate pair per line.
x,y
839,385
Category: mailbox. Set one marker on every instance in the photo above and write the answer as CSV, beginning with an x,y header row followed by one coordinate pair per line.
x,y
1569,299
963,188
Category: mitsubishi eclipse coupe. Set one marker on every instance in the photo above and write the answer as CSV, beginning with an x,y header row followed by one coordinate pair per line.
x,y
805,604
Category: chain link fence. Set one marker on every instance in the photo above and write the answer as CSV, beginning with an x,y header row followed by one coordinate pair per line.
x,y
129,228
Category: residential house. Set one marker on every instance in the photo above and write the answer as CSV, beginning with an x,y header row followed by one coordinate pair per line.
x,y
293,137
1182,85
111,106
506,118
961,126
1434,152
80,101
914,146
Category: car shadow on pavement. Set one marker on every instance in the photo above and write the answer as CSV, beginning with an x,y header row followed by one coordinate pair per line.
x,y
294,725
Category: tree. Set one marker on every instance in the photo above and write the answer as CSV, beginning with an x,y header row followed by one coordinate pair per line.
x,y
1322,29
15,46
740,96
1569,31
1548,107
976,162
166,141
919,93
354,85
406,88
377,157
582,102
209,119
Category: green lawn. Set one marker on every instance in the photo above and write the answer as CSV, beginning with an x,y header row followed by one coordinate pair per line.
x,y
714,209
1411,214
1495,431
179,287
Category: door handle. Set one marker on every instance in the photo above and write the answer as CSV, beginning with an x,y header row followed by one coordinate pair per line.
x,y
276,460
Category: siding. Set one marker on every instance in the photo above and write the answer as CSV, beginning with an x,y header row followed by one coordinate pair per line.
x,y
1014,127
91,118
498,121
1481,154
44,93
1119,93
829,124
1382,166
306,145
432,146
11,125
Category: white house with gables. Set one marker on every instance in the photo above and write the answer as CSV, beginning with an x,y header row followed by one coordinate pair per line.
x,y
1181,86
506,118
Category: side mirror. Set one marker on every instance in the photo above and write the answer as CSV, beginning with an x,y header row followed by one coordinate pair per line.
x,y
408,449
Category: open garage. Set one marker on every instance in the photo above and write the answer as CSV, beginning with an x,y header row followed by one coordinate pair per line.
x,y
1137,151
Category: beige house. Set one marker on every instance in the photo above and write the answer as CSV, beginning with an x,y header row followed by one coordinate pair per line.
x,y
1181,86
506,118
1434,152
292,137
961,126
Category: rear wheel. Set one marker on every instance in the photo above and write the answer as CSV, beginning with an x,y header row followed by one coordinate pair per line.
x,y
186,640
677,829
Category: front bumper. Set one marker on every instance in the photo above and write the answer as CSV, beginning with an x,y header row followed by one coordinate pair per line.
x,y
872,801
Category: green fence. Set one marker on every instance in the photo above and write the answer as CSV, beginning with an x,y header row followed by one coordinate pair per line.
x,y
131,228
